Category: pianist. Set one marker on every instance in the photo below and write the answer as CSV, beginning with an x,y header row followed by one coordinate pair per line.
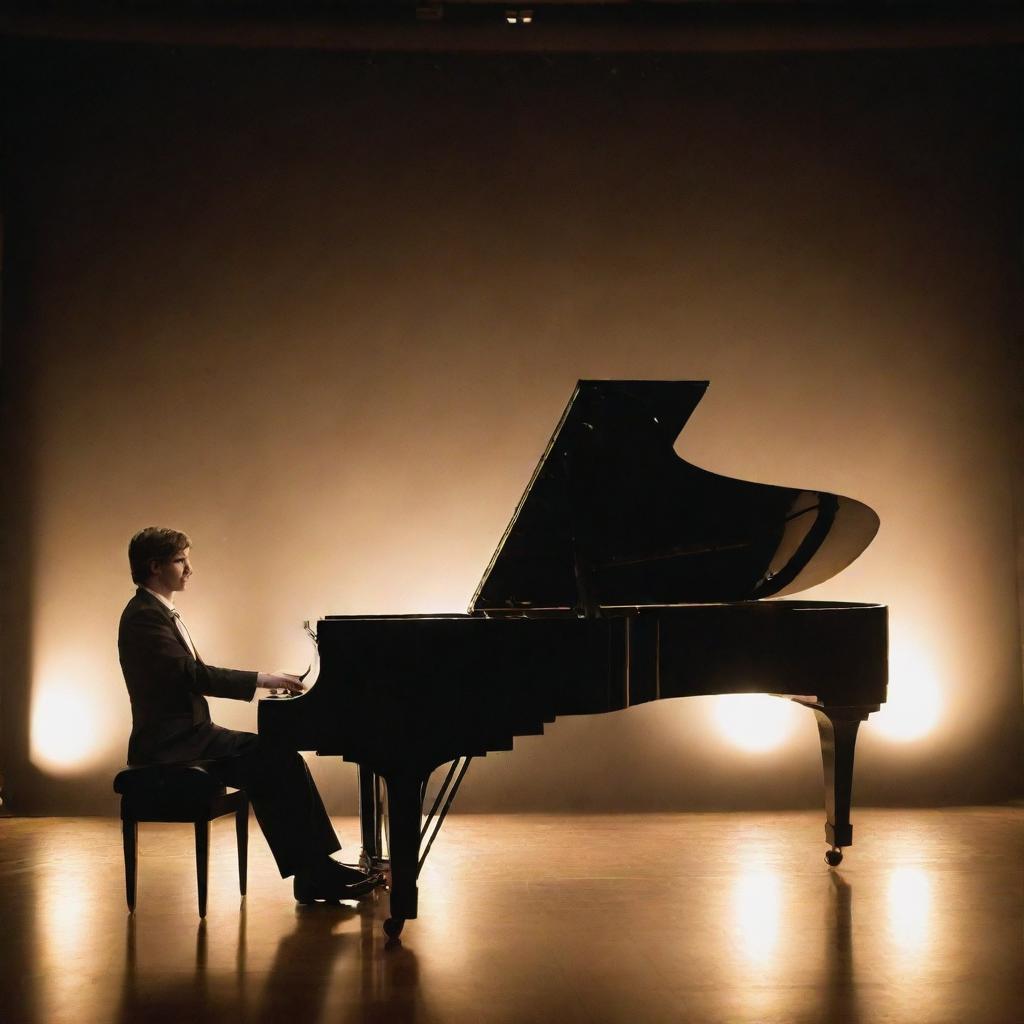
x,y
168,683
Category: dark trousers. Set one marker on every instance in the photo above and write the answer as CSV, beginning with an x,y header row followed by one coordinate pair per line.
x,y
281,791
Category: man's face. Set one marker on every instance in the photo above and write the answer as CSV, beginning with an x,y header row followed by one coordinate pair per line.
x,y
173,573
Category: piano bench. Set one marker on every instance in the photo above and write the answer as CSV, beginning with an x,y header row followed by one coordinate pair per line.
x,y
185,793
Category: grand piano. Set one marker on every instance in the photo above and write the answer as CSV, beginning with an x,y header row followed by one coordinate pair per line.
x,y
626,575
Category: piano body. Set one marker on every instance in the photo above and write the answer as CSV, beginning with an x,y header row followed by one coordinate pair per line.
x,y
626,575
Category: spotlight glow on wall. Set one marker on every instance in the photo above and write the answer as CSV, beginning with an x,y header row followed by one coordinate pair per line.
x,y
755,721
68,728
914,701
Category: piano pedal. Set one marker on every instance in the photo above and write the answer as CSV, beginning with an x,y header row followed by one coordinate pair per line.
x,y
834,857
374,865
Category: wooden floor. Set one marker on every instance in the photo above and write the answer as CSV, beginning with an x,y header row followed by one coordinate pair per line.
x,y
640,918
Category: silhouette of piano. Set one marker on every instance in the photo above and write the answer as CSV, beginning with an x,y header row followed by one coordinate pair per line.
x,y
626,575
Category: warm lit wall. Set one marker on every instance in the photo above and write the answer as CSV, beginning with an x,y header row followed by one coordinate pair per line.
x,y
322,312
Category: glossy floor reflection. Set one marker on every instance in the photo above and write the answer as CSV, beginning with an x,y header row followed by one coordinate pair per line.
x,y
648,918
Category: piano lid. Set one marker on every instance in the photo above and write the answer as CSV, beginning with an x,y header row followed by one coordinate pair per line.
x,y
613,517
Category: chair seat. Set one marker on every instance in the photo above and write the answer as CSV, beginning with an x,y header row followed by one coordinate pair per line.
x,y
180,781
173,792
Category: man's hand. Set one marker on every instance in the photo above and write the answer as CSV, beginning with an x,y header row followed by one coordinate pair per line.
x,y
278,681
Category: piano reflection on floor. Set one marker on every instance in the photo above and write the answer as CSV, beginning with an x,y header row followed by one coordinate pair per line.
x,y
626,575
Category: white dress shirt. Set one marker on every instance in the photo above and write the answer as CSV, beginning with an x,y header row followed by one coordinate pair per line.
x,y
178,624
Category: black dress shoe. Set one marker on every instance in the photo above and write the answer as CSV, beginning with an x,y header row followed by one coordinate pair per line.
x,y
310,889
349,874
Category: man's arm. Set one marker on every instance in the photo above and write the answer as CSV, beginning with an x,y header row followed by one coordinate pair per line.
x,y
150,638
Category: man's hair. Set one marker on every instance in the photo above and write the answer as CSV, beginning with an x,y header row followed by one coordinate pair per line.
x,y
154,544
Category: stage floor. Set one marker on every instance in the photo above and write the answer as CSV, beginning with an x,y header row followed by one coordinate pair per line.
x,y
530,918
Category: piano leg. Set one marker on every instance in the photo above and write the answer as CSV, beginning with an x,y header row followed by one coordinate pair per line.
x,y
837,728
405,812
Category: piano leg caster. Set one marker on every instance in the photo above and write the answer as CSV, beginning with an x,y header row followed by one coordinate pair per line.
x,y
393,927
834,857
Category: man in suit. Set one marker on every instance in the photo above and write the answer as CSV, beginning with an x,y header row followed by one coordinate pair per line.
x,y
168,683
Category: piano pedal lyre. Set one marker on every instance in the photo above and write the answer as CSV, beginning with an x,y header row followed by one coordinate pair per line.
x,y
442,803
373,823
373,816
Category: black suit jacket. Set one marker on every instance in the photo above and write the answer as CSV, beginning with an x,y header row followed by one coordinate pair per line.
x,y
168,686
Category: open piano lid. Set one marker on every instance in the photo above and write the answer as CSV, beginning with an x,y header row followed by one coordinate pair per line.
x,y
614,518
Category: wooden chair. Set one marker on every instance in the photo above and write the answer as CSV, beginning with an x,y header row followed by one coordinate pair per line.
x,y
179,792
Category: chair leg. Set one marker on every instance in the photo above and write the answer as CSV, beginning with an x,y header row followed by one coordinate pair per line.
x,y
130,840
242,835
202,861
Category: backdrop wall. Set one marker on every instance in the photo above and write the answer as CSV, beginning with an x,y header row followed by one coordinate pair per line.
x,y
322,312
